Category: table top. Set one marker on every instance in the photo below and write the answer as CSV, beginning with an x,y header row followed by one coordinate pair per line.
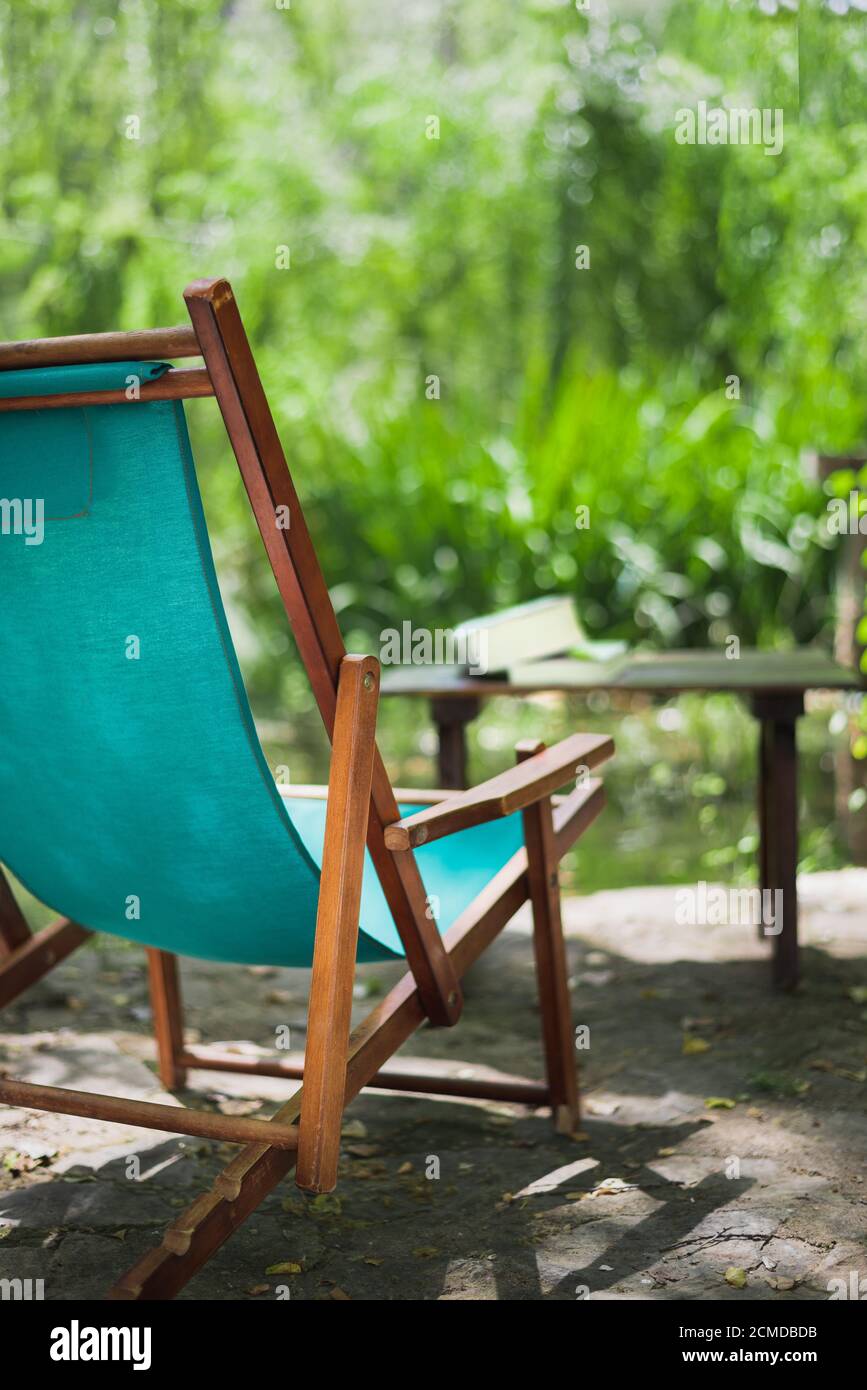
x,y
753,672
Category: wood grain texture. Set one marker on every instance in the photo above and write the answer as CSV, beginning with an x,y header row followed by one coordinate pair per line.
x,y
336,941
140,345
174,1119
262,462
411,796
27,963
165,991
550,952
173,386
425,1077
531,780
14,931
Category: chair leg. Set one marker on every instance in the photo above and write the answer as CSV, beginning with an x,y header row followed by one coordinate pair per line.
x,y
167,1009
550,953
330,1006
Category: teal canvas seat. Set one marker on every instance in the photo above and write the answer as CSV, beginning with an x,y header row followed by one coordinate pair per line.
x,y
134,794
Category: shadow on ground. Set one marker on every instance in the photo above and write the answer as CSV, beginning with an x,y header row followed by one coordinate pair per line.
x,y
725,1130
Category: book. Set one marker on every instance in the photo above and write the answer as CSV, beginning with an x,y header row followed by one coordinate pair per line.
x,y
508,641
543,627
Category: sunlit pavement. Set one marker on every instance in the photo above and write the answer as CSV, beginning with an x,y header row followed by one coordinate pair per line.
x,y
721,1153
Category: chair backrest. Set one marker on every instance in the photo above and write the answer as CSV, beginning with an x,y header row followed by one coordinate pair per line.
x,y
134,794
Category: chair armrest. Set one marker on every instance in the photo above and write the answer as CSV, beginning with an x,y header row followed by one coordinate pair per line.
x,y
528,782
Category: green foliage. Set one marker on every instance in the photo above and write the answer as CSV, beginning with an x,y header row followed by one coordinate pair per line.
x,y
412,258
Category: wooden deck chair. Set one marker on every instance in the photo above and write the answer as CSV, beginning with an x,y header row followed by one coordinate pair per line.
x,y
135,797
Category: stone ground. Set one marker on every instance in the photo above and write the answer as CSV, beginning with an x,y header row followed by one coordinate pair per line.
x,y
663,1190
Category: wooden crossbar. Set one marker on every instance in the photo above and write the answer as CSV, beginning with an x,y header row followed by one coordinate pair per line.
x,y
140,345
14,931
176,384
402,1076
29,961
201,1124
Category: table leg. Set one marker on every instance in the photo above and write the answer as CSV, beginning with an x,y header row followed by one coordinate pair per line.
x,y
451,717
778,825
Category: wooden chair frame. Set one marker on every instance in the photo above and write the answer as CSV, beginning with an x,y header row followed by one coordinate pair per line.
x,y
362,808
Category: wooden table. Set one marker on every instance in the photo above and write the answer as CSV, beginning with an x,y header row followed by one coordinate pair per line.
x,y
773,682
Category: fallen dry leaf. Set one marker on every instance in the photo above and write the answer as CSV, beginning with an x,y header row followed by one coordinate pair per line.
x,y
353,1129
284,1267
719,1103
611,1187
692,1046
736,1277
